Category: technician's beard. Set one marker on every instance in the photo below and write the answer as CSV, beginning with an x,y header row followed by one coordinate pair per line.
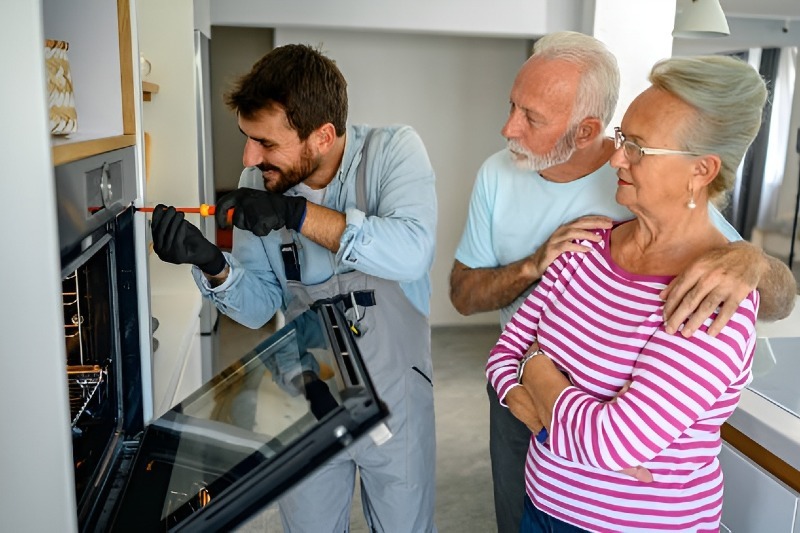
x,y
561,152
291,176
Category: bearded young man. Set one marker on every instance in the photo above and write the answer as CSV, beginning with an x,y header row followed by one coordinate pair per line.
x,y
326,209
529,204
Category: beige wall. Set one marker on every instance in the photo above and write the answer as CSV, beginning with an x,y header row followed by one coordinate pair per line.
x,y
453,90
231,53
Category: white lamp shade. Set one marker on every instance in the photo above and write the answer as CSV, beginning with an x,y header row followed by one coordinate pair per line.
x,y
699,18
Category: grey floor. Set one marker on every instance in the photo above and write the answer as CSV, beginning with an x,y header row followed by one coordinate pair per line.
x,y
464,495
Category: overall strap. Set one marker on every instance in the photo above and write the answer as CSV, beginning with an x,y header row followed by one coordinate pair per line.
x,y
361,175
291,259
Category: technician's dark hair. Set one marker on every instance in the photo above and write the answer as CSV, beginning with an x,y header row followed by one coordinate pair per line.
x,y
308,85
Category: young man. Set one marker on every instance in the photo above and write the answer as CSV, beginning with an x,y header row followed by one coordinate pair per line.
x,y
356,207
529,205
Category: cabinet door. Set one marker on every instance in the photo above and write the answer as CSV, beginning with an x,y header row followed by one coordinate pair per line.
x,y
754,501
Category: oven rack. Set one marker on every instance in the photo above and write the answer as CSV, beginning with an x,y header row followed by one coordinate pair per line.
x,y
83,382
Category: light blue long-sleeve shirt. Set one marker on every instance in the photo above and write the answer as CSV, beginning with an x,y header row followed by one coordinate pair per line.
x,y
396,241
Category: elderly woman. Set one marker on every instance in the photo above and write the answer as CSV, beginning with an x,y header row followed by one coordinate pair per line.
x,y
627,416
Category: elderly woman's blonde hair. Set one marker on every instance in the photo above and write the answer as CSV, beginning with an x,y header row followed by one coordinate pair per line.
x,y
729,96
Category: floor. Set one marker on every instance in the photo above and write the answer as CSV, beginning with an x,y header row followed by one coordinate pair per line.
x,y
464,496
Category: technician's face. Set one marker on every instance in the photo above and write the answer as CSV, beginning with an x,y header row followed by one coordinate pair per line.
x,y
538,126
274,148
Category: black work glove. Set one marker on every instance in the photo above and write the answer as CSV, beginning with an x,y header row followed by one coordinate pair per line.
x,y
319,396
260,211
177,241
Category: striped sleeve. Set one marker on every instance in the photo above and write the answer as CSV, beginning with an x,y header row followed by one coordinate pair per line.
x,y
675,381
520,332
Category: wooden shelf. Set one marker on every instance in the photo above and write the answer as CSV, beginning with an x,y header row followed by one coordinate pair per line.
x,y
148,90
73,151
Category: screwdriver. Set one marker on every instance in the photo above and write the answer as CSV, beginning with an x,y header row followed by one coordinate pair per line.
x,y
204,210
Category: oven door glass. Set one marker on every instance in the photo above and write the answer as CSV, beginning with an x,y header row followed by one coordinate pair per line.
x,y
253,431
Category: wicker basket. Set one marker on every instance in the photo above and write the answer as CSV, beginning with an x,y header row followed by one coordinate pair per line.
x,y
63,117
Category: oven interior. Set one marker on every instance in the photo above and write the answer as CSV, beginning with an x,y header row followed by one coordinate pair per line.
x,y
91,371
103,362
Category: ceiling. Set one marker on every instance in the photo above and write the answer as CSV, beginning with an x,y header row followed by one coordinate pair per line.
x,y
767,9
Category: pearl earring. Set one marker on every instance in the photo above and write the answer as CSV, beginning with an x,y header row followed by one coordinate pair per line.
x,y
691,204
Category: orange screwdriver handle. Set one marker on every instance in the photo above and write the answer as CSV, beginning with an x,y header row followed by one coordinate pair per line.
x,y
211,210
204,210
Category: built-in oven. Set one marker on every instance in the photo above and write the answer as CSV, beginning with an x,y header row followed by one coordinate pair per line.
x,y
228,449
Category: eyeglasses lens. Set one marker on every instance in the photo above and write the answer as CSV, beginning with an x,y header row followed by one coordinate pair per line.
x,y
632,152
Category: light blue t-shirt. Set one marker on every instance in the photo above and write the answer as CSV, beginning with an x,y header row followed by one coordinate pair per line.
x,y
513,211
396,241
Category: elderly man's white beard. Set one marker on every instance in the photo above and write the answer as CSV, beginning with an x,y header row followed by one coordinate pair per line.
x,y
526,160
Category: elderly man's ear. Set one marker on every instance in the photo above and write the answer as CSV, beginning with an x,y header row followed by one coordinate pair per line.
x,y
587,132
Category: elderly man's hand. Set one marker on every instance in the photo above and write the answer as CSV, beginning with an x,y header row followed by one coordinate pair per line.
x,y
563,240
720,278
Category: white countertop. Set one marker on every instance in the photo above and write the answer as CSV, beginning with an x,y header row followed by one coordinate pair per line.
x,y
788,327
764,421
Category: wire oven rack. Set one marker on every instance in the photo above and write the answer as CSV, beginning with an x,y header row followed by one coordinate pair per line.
x,y
84,382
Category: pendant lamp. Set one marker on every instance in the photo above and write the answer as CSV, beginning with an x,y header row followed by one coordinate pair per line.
x,y
699,18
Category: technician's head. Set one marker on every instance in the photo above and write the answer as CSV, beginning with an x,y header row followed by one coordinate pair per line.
x,y
291,106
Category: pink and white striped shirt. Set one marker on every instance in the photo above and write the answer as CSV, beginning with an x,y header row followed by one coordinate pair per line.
x,y
604,327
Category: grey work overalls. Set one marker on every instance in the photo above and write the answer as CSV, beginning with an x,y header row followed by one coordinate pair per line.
x,y
398,476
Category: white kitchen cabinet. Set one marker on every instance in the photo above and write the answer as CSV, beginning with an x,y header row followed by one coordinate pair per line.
x,y
755,501
167,40
177,361
37,460
761,451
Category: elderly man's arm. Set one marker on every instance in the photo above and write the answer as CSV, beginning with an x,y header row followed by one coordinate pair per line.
x,y
722,278
475,290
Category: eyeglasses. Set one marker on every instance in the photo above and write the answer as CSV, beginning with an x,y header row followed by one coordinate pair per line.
x,y
634,153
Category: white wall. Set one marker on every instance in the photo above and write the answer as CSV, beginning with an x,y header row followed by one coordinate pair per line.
x,y
510,18
453,91
745,33
787,197
636,46
36,462
166,39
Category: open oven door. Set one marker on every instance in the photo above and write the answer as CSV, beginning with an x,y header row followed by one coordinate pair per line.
x,y
252,432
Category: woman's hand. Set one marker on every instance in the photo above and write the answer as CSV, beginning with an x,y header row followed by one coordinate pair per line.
x,y
521,406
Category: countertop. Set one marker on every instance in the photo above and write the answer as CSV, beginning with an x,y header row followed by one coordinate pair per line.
x,y
769,410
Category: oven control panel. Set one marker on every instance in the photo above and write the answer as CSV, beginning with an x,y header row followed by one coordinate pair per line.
x,y
92,191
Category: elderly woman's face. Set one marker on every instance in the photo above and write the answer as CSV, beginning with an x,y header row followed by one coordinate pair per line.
x,y
656,183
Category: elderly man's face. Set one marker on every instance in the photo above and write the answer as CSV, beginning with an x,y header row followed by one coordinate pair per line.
x,y
538,126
